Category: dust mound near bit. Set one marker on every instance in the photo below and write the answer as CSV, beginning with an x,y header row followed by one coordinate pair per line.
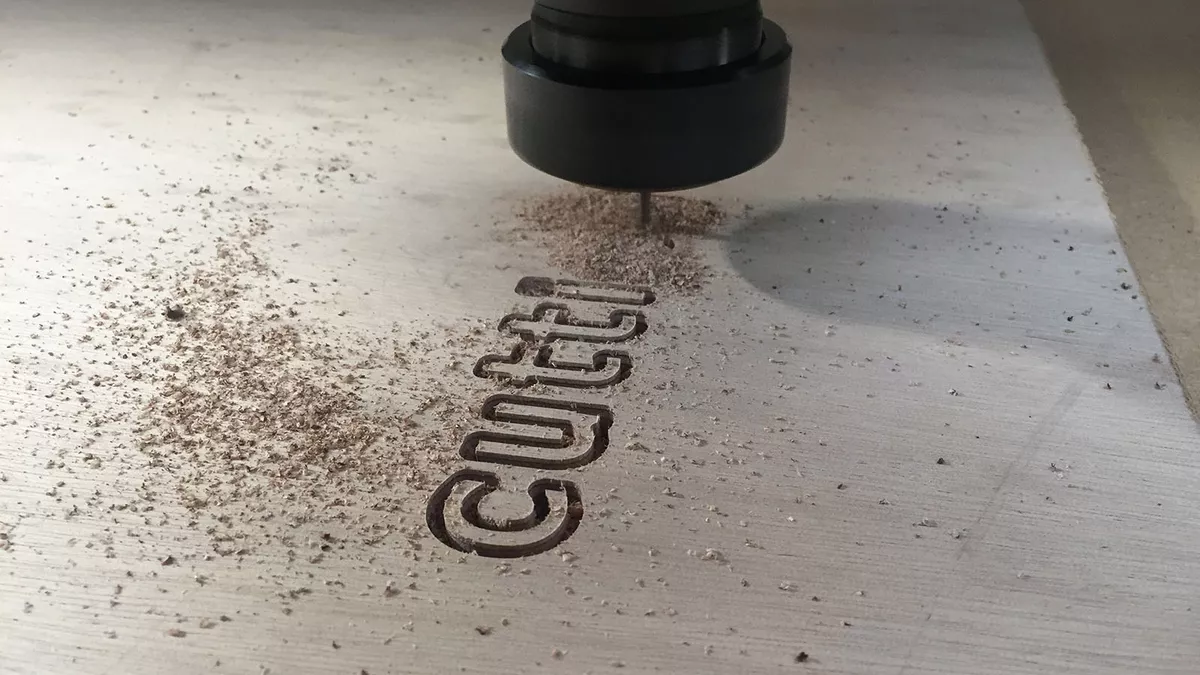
x,y
598,236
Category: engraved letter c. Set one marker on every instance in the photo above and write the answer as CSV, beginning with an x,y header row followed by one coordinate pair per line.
x,y
469,531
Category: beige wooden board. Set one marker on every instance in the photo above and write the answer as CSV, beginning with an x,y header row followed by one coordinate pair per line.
x,y
930,272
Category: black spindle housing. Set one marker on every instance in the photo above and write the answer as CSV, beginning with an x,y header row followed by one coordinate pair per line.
x,y
646,95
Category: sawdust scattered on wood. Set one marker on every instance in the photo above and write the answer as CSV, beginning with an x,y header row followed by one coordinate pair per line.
x,y
269,421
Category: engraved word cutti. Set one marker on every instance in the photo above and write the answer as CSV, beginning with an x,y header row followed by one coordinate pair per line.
x,y
574,340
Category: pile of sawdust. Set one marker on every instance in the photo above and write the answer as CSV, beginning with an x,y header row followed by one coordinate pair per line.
x,y
598,236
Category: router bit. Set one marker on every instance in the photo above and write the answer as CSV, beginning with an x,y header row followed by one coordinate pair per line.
x,y
646,96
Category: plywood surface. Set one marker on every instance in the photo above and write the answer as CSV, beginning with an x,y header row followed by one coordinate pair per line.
x,y
1127,77
915,423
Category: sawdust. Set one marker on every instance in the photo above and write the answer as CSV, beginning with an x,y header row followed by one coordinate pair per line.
x,y
268,425
598,236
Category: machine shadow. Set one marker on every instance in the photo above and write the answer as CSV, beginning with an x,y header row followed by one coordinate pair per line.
x,y
971,277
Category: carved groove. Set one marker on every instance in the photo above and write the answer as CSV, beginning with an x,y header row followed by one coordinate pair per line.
x,y
492,411
622,325
608,367
478,528
587,291
466,512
